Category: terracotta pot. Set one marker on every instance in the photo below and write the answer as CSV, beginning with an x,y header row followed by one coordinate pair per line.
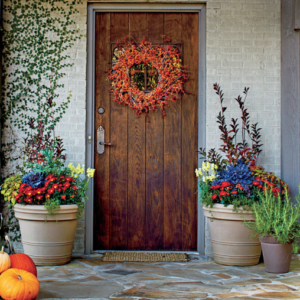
x,y
230,237
277,257
48,240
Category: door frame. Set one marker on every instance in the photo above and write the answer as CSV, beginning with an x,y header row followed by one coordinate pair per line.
x,y
93,8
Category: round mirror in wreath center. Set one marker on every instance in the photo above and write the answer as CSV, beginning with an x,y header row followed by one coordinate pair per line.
x,y
144,76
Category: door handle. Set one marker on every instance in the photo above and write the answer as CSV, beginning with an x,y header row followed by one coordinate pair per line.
x,y
105,144
101,140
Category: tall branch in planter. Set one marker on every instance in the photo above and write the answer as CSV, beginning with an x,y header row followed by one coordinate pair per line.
x,y
232,149
36,39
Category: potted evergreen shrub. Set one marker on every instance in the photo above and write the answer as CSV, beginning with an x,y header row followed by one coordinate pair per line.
x,y
228,186
48,199
277,224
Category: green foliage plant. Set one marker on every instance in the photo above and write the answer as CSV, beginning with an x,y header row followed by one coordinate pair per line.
x,y
36,37
10,188
277,217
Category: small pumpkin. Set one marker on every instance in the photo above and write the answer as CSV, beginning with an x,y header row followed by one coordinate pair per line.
x,y
4,261
20,260
23,262
18,284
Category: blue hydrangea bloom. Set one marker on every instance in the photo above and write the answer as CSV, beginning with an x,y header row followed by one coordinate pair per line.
x,y
236,174
35,180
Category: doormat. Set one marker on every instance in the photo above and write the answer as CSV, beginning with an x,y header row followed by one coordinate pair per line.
x,y
145,257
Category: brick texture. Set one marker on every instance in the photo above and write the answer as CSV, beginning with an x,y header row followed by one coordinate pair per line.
x,y
243,49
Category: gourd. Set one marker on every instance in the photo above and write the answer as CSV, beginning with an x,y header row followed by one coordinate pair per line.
x,y
18,284
20,260
4,261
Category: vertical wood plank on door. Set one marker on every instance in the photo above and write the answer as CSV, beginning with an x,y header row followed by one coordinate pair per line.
x,y
154,157
102,99
190,132
118,153
136,155
172,154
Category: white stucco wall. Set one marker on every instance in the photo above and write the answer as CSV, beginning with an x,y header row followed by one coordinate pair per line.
x,y
243,49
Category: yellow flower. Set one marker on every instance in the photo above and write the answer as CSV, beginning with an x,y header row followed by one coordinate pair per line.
x,y
90,172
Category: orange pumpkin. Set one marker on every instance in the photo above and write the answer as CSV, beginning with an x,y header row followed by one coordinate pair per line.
x,y
18,285
23,262
4,261
20,260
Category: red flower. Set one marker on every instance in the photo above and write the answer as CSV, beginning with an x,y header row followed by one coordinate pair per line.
x,y
22,186
68,178
55,186
234,192
223,193
72,196
47,183
74,187
39,191
225,183
59,190
63,197
39,197
214,196
255,182
28,200
29,193
47,196
51,191
257,178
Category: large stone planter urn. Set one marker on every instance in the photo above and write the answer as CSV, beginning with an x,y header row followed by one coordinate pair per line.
x,y
48,240
230,237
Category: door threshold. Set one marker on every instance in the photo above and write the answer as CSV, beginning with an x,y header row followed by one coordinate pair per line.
x,y
146,251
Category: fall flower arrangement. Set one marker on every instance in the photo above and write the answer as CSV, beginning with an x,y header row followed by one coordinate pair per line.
x,y
48,183
234,178
165,75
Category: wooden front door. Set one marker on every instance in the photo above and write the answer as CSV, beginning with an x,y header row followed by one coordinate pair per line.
x,y
145,182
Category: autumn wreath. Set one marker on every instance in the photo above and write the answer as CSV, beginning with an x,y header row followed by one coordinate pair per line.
x,y
146,77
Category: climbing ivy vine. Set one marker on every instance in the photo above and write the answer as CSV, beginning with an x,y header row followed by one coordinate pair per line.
x,y
36,38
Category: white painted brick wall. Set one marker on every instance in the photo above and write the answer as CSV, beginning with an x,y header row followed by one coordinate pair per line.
x,y
243,49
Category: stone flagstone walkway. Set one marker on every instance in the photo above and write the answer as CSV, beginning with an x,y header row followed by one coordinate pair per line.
x,y
197,279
